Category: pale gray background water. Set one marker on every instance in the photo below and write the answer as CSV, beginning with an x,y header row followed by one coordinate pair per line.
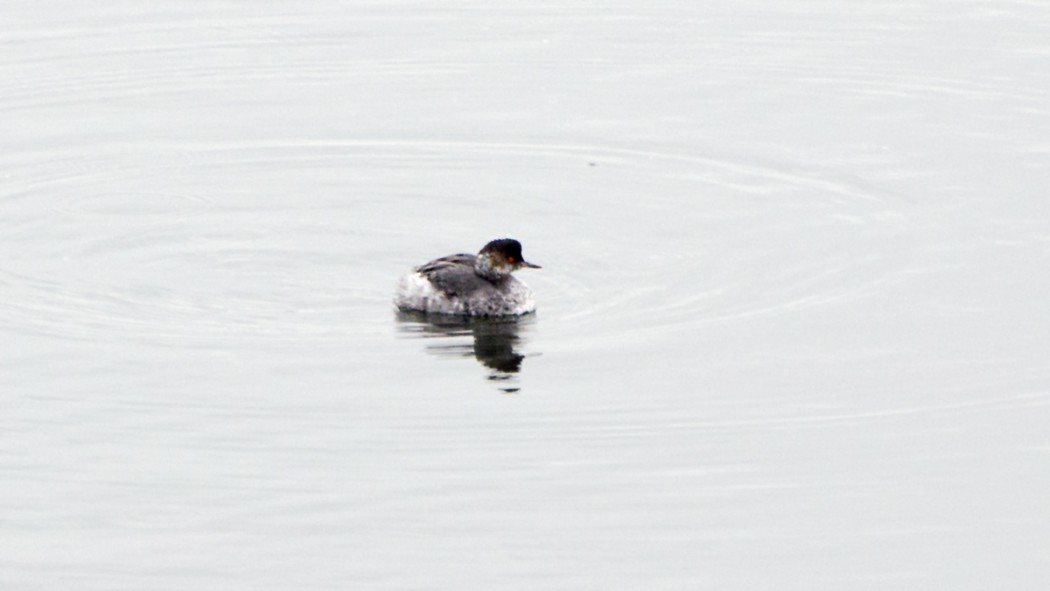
x,y
792,328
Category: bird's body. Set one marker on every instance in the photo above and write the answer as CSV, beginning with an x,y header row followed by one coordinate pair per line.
x,y
471,285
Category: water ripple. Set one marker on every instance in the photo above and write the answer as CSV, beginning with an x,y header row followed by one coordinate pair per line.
x,y
715,238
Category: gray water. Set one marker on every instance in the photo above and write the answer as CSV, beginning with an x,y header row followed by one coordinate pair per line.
x,y
792,328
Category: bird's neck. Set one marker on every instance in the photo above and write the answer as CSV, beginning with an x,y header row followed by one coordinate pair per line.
x,y
486,267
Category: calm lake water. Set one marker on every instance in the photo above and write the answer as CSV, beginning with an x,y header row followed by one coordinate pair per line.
x,y
792,328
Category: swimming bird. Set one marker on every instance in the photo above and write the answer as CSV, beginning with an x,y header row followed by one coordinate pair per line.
x,y
470,285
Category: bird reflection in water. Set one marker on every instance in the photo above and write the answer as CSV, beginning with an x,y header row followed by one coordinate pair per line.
x,y
492,341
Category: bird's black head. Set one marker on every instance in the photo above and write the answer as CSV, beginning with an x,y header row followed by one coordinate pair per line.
x,y
504,254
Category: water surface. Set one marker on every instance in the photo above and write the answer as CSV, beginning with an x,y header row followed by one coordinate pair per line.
x,y
792,324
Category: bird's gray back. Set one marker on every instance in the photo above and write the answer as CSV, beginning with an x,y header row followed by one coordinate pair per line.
x,y
454,274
